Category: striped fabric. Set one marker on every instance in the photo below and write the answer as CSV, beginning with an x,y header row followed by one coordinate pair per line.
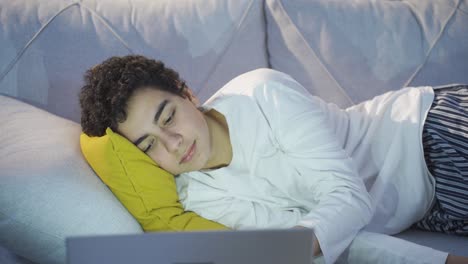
x,y
445,141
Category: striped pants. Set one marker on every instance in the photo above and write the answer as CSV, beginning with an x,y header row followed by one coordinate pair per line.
x,y
445,141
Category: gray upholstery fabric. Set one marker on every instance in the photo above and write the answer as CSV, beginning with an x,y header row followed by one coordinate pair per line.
x,y
350,51
47,45
47,190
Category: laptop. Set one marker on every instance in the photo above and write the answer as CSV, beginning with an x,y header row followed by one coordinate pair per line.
x,y
268,246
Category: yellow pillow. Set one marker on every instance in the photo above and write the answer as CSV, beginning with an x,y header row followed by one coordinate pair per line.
x,y
147,191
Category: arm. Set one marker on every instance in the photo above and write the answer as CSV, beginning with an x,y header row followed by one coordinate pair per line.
x,y
243,214
375,248
231,210
369,247
324,172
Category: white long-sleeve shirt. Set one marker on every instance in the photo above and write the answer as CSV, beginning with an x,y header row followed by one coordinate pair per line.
x,y
300,161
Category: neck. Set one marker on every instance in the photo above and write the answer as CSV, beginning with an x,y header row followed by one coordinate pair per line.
x,y
221,143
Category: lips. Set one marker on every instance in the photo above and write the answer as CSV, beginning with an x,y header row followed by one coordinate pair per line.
x,y
189,155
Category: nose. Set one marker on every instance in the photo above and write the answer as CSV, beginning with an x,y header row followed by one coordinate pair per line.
x,y
172,141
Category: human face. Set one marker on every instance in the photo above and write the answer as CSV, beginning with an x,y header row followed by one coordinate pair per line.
x,y
169,129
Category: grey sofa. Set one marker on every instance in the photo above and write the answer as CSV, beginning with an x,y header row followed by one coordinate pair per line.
x,y
343,51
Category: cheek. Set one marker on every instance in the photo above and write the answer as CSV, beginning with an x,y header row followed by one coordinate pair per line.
x,y
160,159
205,142
201,124
194,126
155,158
166,165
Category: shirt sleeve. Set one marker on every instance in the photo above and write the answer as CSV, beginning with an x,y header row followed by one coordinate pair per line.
x,y
374,248
324,172
234,212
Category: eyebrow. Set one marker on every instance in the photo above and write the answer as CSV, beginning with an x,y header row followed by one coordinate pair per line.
x,y
158,114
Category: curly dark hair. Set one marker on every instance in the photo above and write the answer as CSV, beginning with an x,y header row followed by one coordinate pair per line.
x,y
109,85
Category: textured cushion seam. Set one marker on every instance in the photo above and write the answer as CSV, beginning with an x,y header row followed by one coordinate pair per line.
x,y
229,43
280,4
267,36
36,35
107,25
416,72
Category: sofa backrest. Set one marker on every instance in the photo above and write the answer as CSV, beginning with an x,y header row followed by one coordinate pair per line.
x,y
343,51
46,46
350,51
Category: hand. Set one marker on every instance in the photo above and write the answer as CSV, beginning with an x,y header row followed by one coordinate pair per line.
x,y
452,259
316,245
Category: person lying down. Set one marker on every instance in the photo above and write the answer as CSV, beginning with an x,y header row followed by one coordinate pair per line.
x,y
263,152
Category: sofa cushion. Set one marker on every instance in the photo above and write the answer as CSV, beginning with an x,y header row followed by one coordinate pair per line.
x,y
147,191
46,46
350,51
47,190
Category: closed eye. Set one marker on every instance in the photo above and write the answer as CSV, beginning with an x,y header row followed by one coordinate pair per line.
x,y
169,120
149,145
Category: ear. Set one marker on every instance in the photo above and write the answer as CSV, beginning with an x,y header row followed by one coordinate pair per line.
x,y
189,94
